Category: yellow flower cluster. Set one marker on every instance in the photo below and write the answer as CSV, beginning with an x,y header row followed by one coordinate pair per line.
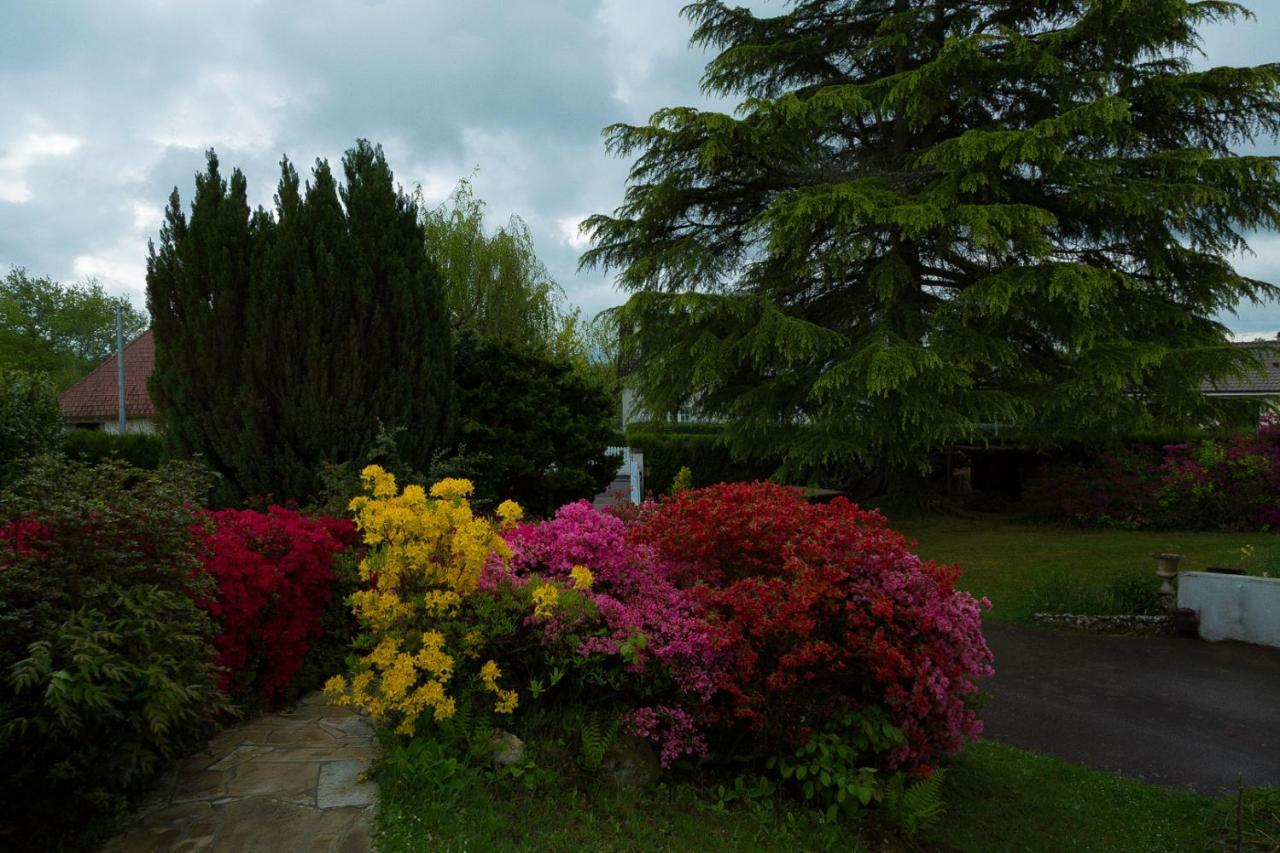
x,y
425,556
582,578
423,541
510,514
507,699
545,598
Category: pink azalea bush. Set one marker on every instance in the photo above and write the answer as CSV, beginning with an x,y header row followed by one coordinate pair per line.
x,y
655,630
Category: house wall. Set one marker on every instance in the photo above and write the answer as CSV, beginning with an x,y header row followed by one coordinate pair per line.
x,y
130,425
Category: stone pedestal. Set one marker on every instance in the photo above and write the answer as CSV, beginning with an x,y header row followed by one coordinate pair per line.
x,y
1167,571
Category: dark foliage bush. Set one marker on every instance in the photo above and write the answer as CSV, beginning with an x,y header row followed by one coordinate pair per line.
x,y
30,421
327,655
107,662
668,448
139,449
284,338
541,425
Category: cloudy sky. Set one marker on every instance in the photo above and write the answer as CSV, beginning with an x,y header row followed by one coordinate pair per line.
x,y
107,106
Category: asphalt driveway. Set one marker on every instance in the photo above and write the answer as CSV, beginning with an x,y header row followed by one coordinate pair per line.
x,y
1173,711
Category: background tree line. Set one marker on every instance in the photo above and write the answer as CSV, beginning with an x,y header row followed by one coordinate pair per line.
x,y
349,324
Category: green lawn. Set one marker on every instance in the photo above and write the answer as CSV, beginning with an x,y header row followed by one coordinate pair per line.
x,y
998,799
1007,561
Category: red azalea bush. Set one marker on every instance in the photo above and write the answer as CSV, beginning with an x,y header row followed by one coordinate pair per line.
x,y
827,612
274,576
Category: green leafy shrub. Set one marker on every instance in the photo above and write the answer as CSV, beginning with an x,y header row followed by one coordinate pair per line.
x,y
683,480
107,659
30,420
837,770
328,654
1122,596
139,449
542,425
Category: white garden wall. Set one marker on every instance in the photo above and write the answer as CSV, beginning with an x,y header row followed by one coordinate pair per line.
x,y
1233,607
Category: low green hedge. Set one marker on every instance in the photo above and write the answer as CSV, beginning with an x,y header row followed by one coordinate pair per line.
x,y
139,449
669,447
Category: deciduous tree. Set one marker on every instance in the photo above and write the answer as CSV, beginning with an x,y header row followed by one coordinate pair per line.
x,y
61,330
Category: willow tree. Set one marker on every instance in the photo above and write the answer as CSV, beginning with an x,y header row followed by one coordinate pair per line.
x,y
926,217
286,339
495,285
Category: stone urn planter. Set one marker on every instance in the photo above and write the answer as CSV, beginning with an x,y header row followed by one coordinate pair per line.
x,y
1167,571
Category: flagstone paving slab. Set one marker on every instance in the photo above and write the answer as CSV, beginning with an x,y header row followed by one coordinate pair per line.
x,y
281,783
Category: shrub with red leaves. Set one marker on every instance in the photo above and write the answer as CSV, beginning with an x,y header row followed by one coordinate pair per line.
x,y
21,534
828,612
274,576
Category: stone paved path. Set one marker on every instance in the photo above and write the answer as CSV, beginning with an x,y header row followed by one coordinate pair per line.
x,y
280,783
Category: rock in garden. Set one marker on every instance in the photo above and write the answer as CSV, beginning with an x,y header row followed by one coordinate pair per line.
x,y
507,749
630,765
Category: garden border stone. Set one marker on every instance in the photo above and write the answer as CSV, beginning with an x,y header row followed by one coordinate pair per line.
x,y
1115,624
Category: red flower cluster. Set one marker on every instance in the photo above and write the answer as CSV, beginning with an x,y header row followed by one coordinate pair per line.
x,y
827,611
274,577
19,534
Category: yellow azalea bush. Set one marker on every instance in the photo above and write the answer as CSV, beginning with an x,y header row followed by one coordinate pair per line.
x,y
426,551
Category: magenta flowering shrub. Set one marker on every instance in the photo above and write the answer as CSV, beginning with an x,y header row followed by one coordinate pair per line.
x,y
653,629
1231,484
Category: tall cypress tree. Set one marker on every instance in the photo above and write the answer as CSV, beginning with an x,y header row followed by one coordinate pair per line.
x,y
927,217
336,323
198,285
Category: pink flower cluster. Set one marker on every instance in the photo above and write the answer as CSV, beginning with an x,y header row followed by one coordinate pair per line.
x,y
632,592
673,729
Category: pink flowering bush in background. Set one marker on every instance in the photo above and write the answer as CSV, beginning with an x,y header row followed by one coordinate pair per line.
x,y
1219,484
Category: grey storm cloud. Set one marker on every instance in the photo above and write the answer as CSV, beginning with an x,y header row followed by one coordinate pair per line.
x,y
108,106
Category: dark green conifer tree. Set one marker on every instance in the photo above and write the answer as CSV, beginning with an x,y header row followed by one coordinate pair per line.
x,y
928,217
295,335
536,425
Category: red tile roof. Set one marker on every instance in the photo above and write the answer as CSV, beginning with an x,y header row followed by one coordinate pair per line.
x,y
94,397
